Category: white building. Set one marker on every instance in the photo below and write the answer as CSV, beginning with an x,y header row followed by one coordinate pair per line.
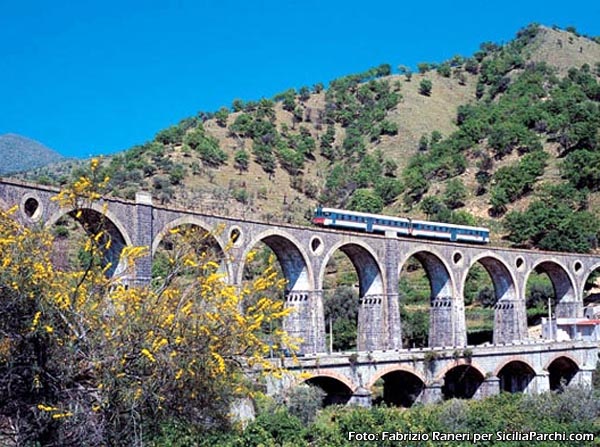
x,y
565,329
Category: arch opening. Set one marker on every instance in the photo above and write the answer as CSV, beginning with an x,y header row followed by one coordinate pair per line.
x,y
565,299
353,300
562,370
425,294
283,255
461,382
73,229
492,312
540,302
291,261
336,392
591,295
398,388
515,377
181,250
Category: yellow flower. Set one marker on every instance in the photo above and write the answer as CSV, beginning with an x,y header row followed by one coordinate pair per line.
x,y
148,355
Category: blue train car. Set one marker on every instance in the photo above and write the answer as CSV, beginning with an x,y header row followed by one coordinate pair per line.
x,y
380,224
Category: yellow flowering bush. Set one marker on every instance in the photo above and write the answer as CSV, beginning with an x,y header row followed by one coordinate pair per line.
x,y
87,359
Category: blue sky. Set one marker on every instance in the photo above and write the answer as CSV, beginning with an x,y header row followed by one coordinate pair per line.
x,y
91,77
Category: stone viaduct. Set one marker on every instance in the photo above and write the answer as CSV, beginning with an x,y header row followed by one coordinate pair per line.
x,y
304,252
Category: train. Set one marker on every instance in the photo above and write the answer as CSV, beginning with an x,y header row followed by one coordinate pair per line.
x,y
400,226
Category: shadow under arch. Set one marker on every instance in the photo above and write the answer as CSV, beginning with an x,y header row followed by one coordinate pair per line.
x,y
337,392
562,369
563,284
94,219
462,381
510,321
441,320
371,324
402,386
515,376
213,240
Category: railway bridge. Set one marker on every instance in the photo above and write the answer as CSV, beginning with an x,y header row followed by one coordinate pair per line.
x,y
304,252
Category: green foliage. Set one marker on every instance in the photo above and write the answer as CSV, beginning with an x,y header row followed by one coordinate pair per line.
x,y
506,136
444,69
388,189
171,135
425,87
221,116
512,182
554,222
241,160
365,200
206,146
455,194
415,328
304,402
288,99
327,140
341,310
582,169
573,411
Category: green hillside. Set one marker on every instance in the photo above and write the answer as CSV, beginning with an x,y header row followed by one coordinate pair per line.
x,y
21,154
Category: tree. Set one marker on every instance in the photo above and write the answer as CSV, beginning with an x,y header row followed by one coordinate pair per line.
x,y
455,194
423,143
431,206
237,105
582,169
241,160
207,146
92,360
304,93
365,200
425,87
406,71
221,116
553,222
171,135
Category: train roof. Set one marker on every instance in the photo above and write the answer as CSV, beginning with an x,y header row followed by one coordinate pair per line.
x,y
401,219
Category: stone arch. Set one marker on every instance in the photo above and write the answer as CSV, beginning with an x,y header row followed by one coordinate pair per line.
x,y
306,321
402,386
567,304
307,375
372,317
502,277
392,368
515,375
510,322
590,271
225,265
436,267
91,218
338,390
461,381
561,370
365,261
459,362
291,256
442,313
